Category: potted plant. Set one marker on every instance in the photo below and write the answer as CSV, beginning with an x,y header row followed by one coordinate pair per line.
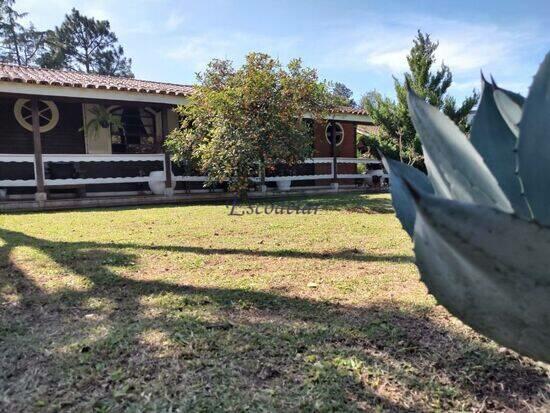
x,y
286,171
102,118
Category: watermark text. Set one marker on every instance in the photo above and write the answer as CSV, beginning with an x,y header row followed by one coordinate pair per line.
x,y
238,208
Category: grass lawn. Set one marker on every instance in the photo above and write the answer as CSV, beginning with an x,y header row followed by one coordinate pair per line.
x,y
190,308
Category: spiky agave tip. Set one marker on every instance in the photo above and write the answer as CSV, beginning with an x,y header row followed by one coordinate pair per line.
x,y
493,81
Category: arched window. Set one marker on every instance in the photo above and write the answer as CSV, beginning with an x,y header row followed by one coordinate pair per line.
x,y
338,132
137,134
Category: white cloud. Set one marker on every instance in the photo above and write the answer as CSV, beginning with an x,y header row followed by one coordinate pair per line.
x,y
174,21
467,47
466,85
395,60
43,13
463,46
198,50
381,46
124,18
97,13
361,49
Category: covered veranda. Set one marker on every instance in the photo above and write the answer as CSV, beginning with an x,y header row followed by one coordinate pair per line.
x,y
49,158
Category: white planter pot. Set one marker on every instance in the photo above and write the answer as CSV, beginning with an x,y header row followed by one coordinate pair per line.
x,y
371,174
284,185
157,181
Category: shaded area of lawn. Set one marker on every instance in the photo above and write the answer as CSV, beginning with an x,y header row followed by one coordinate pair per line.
x,y
97,328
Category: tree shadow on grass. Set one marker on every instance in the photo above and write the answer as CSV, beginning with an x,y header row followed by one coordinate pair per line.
x,y
352,254
344,202
233,348
351,202
354,203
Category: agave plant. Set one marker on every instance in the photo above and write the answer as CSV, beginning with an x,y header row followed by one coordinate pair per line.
x,y
480,218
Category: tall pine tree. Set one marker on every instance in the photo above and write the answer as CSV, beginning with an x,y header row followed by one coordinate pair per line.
x,y
396,134
18,44
85,44
344,93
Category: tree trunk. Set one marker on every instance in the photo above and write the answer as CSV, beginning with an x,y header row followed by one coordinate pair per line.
x,y
243,188
261,171
15,42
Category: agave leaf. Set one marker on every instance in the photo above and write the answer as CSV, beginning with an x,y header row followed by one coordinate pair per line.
x,y
439,183
493,139
401,198
488,268
459,168
516,97
510,110
534,144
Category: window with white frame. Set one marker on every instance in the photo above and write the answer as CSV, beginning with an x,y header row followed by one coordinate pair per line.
x,y
338,132
48,114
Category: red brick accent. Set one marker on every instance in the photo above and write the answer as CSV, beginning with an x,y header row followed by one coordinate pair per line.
x,y
347,149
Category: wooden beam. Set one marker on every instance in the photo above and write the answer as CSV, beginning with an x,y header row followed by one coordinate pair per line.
x,y
37,144
167,161
333,148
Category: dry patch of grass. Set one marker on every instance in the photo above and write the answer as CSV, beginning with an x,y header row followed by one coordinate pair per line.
x,y
189,308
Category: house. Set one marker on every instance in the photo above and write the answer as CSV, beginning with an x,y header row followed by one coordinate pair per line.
x,y
48,148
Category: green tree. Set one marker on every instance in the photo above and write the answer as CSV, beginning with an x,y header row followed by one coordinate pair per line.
x,y
344,93
396,134
85,44
18,44
239,121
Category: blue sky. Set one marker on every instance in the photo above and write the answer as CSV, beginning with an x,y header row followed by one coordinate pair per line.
x,y
359,43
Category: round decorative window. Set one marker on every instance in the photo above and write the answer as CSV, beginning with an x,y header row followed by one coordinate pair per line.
x,y
338,132
48,114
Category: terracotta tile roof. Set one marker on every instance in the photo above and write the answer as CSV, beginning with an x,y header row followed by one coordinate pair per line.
x,y
351,110
50,77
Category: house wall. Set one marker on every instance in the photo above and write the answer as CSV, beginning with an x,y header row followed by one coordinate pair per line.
x,y
64,138
347,149
68,138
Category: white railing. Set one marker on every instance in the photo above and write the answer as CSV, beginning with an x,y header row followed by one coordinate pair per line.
x,y
104,158
69,158
18,158
316,161
368,175
356,161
